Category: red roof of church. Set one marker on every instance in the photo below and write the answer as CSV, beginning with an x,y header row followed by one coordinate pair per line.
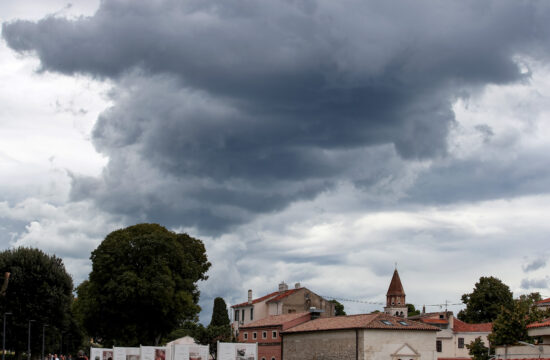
x,y
396,288
284,295
433,321
362,321
461,326
543,323
276,320
545,301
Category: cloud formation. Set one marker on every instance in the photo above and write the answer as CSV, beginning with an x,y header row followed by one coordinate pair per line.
x,y
223,110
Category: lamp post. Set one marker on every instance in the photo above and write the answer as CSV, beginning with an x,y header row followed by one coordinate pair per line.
x,y
4,337
29,341
44,326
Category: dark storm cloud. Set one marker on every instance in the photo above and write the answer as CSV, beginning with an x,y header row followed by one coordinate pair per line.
x,y
527,284
226,109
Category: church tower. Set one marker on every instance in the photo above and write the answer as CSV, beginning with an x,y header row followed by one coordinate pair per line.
x,y
395,298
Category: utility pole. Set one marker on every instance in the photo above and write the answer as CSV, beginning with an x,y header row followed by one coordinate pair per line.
x,y
4,337
29,341
44,326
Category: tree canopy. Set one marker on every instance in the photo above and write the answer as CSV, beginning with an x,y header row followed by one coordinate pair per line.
x,y
219,313
478,350
511,325
143,285
39,289
338,308
486,301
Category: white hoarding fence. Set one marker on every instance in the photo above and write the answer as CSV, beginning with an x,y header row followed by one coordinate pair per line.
x,y
187,352
101,354
237,351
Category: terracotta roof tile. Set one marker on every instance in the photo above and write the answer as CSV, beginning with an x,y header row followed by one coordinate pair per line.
x,y
283,295
396,288
363,321
543,323
461,326
545,301
263,298
433,321
275,320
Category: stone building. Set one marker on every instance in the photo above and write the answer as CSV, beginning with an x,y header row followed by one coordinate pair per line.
x,y
368,336
284,301
267,333
395,298
455,334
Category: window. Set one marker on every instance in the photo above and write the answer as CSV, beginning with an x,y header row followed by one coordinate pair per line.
x,y
264,334
386,322
438,346
274,335
263,357
273,358
251,314
245,335
242,317
254,336
236,315
441,316
461,343
403,323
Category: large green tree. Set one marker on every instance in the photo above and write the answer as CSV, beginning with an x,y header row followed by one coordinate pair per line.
x,y
143,285
219,313
338,308
486,301
478,350
219,328
510,326
39,289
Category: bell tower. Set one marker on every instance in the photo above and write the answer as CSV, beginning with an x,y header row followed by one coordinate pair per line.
x,y
395,297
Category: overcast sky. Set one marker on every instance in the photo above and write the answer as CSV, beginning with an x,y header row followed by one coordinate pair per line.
x,y
311,141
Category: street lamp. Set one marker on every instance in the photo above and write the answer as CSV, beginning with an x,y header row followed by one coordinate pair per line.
x,y
43,337
29,341
4,337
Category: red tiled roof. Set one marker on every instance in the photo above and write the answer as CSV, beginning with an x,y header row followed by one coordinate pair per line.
x,y
396,288
461,326
363,321
274,320
433,321
545,301
283,295
263,298
543,323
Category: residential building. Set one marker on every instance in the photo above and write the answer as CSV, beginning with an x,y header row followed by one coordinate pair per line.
x,y
541,350
376,336
544,304
284,301
267,333
455,334
395,298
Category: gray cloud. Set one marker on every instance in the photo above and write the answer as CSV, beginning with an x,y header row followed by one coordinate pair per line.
x,y
528,284
227,109
536,264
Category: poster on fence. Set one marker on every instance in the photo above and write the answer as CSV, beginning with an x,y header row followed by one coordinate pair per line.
x,y
101,354
237,351
152,353
126,353
188,352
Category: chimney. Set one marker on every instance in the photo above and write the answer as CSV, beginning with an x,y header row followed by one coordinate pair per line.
x,y
297,286
250,296
423,309
283,287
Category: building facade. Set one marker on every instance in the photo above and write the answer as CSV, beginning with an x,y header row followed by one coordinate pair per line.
x,y
284,301
267,333
361,337
455,334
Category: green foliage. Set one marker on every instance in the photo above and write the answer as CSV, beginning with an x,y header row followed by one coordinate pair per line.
x,y
412,310
39,289
143,285
511,325
485,303
219,313
338,308
478,350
